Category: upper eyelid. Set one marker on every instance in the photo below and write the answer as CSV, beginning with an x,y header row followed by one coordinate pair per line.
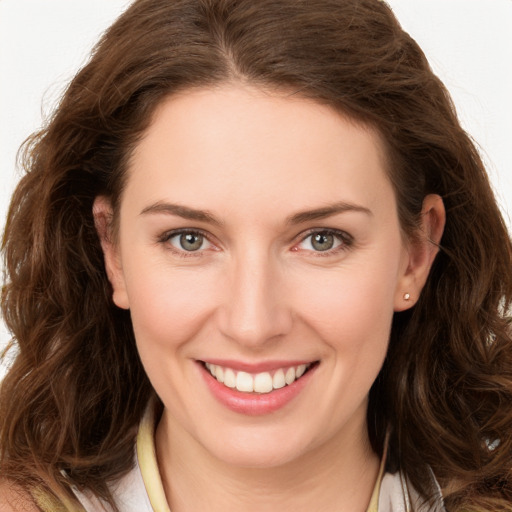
x,y
346,242
338,232
166,235
165,238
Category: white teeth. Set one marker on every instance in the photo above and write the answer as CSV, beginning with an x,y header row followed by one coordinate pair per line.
x,y
290,375
219,373
229,378
278,381
262,382
244,382
300,371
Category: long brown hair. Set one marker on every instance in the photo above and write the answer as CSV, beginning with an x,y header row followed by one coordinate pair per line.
x,y
76,391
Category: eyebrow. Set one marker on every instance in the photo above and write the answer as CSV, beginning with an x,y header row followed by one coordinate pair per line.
x,y
326,211
297,218
181,211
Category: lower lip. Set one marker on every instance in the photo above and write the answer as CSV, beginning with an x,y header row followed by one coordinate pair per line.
x,y
254,404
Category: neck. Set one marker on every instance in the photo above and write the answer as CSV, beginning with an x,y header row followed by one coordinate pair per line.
x,y
337,476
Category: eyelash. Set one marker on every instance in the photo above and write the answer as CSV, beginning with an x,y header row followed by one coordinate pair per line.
x,y
166,237
345,240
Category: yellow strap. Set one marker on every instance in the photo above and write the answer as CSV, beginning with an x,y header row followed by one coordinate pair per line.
x,y
147,461
49,503
374,501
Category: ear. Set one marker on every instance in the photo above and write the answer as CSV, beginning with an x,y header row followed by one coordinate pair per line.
x,y
103,215
421,253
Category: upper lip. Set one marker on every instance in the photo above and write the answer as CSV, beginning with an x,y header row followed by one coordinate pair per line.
x,y
253,367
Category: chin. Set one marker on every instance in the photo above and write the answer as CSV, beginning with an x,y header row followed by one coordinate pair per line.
x,y
259,449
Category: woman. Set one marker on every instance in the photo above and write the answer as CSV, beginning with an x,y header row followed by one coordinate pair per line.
x,y
255,244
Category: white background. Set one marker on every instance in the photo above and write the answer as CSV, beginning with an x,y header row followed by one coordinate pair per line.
x,y
468,43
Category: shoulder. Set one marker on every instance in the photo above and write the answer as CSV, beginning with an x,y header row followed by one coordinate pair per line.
x,y
14,499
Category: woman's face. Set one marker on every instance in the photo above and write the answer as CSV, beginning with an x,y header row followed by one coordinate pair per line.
x,y
258,241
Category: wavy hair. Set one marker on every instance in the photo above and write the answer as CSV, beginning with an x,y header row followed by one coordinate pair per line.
x,y
76,391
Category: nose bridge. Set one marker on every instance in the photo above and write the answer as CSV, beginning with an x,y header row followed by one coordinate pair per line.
x,y
254,311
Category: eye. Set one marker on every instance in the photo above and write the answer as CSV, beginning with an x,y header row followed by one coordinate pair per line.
x,y
189,241
325,241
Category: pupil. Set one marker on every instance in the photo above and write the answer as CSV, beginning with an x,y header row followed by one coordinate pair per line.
x,y
323,241
191,241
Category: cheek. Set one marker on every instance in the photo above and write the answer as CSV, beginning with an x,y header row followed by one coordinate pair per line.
x,y
350,305
351,313
168,308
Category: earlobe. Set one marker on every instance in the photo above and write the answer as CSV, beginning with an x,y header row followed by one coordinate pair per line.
x,y
102,213
421,253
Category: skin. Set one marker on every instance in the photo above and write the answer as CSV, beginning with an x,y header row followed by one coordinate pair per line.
x,y
257,290
15,499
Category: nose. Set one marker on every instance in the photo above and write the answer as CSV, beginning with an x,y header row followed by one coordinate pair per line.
x,y
255,308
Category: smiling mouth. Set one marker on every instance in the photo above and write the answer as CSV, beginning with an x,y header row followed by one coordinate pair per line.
x,y
263,382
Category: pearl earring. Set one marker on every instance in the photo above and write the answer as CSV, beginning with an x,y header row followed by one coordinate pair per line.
x,y
406,296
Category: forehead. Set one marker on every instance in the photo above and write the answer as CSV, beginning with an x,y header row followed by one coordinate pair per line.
x,y
243,146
